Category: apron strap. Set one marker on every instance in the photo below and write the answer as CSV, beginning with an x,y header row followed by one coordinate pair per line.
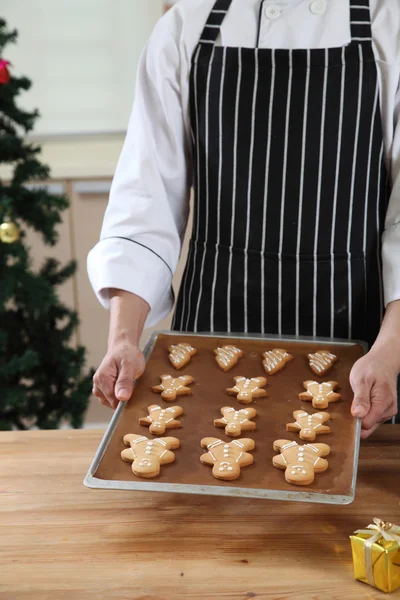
x,y
214,22
360,21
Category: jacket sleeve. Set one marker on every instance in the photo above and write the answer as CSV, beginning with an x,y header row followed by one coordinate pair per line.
x,y
147,213
391,235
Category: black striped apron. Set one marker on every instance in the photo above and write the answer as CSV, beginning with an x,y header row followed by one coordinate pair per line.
x,y
291,188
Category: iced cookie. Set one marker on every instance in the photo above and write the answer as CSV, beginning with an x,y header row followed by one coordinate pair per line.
x,y
227,459
309,426
300,462
247,390
320,394
181,354
160,419
236,421
227,357
321,361
275,360
146,455
171,387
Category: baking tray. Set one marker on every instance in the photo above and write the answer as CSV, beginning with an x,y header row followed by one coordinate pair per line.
x,y
260,480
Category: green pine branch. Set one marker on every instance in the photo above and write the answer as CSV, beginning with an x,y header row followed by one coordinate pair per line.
x,y
6,36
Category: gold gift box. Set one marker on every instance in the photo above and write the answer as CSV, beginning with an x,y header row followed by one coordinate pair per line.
x,y
376,555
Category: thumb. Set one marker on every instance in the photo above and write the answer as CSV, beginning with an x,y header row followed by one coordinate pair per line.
x,y
361,402
124,384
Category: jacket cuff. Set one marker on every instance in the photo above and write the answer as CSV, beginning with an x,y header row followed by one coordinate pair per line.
x,y
126,265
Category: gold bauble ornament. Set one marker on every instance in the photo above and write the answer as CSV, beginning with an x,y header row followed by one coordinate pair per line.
x,y
9,231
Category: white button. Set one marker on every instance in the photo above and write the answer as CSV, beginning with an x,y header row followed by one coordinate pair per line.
x,y
272,11
318,7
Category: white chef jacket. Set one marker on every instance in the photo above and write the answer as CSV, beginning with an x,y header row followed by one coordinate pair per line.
x,y
148,208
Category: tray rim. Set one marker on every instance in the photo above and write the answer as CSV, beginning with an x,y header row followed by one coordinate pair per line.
x,y
93,482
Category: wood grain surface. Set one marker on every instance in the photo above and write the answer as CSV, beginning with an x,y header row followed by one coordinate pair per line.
x,y
61,541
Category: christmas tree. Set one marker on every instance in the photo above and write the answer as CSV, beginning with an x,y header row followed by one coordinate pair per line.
x,y
42,383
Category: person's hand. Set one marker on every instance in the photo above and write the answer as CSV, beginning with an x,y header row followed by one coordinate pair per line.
x,y
124,361
374,382
113,380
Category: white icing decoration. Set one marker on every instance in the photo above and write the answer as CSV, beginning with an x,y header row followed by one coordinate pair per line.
x,y
217,443
273,358
321,361
238,443
312,447
227,354
180,352
286,446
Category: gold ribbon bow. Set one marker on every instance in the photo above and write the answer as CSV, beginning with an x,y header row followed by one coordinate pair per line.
x,y
383,529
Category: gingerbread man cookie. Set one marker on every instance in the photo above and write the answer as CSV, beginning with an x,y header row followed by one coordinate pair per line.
x,y
309,426
320,394
300,462
236,421
171,387
227,357
160,419
275,360
181,354
146,455
227,458
248,389
321,361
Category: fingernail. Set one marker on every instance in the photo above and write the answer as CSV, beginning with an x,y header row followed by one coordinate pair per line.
x,y
359,412
123,395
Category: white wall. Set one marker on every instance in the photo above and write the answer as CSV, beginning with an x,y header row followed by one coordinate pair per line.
x,y
82,57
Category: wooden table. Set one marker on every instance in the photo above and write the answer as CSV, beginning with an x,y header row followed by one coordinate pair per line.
x,y
59,540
